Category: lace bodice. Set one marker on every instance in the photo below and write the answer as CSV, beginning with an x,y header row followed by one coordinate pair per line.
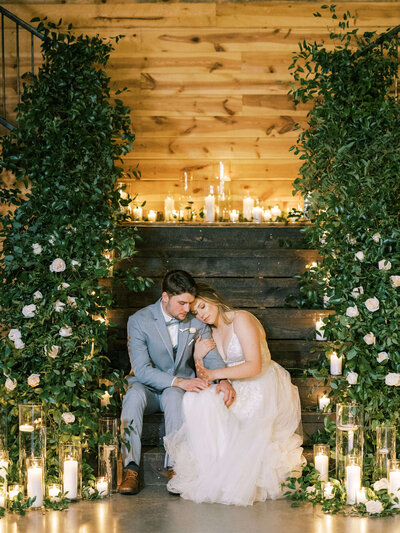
x,y
234,352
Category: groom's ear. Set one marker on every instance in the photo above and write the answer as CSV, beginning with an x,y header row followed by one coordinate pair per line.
x,y
165,297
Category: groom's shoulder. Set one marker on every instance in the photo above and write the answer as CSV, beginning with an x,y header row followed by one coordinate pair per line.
x,y
144,314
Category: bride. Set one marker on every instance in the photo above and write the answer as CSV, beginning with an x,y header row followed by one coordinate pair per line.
x,y
242,453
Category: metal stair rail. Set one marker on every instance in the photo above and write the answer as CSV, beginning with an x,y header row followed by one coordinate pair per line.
x,y
19,25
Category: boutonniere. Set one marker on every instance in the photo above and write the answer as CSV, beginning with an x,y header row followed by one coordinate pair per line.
x,y
192,331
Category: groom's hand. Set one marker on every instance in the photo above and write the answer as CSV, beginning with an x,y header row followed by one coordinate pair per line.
x,y
228,391
191,385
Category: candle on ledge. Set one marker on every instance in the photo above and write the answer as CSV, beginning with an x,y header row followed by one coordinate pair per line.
x,y
276,211
248,204
323,402
210,206
394,476
353,482
137,213
70,478
257,214
27,428
152,215
102,486
319,330
234,215
35,484
54,491
267,215
335,364
169,206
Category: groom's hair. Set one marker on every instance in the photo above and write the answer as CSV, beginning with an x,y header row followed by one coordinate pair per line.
x,y
177,282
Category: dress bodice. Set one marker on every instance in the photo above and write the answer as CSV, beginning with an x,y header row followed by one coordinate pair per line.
x,y
234,352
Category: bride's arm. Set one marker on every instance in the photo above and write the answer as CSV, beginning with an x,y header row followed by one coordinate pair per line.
x,y
249,335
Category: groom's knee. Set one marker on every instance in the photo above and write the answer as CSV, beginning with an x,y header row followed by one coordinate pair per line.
x,y
171,398
134,403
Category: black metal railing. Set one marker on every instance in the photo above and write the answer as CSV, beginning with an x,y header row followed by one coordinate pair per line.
x,y
19,25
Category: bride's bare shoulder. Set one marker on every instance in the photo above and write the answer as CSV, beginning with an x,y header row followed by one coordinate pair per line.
x,y
244,319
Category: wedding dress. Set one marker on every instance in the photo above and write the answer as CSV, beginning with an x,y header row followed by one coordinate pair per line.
x,y
241,454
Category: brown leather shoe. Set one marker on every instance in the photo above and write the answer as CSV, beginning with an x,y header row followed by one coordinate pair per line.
x,y
171,473
130,482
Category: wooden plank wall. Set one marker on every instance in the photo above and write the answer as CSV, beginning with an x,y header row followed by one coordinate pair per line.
x,y
207,81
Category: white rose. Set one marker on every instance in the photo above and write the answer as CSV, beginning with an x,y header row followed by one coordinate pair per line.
x,y
63,285
372,304
19,344
374,507
59,306
71,300
53,352
66,331
75,263
37,295
384,265
350,240
357,291
370,338
10,384
91,491
392,379
68,418
382,356
381,484
352,378
14,334
352,311
359,256
310,489
395,281
192,331
37,249
58,265
376,237
34,380
29,310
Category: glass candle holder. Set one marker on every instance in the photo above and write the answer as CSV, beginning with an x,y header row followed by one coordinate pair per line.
x,y
349,435
108,425
335,364
35,480
14,490
108,464
353,477
324,403
321,460
385,449
54,491
394,475
32,432
103,486
70,468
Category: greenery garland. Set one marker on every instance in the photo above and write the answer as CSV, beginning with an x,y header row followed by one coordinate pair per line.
x,y
59,238
350,177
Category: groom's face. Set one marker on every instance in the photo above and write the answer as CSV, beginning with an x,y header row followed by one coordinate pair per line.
x,y
178,305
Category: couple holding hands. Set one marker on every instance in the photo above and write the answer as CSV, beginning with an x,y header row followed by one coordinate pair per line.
x,y
231,413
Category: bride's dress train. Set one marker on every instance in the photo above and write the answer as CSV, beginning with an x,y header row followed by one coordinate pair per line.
x,y
240,454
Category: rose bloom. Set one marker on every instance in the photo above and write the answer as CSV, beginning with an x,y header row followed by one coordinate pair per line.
x,y
357,291
10,384
66,331
392,379
352,378
37,249
19,344
34,380
382,356
381,484
58,265
376,237
369,338
71,300
53,352
359,256
75,263
68,418
37,295
59,306
373,507
63,285
384,265
14,334
372,304
395,281
352,311
29,310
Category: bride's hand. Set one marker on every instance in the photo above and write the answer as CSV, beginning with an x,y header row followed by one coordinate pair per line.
x,y
202,347
203,372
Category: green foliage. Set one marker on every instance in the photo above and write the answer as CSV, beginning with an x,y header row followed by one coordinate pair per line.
x,y
350,174
57,242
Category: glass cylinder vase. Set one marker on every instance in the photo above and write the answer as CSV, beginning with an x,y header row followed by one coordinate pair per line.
x,y
108,450
394,475
32,432
34,480
321,460
70,468
385,449
353,477
349,435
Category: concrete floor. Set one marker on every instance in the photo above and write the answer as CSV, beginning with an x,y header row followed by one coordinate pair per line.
x,y
155,511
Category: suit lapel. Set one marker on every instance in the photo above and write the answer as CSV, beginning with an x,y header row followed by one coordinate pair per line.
x,y
162,328
183,335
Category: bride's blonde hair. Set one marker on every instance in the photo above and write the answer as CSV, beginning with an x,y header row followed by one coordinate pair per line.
x,y
210,295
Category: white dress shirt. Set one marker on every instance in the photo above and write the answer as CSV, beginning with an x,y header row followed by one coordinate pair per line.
x,y
173,329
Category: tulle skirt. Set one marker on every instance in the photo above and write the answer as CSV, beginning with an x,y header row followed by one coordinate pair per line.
x,y
241,454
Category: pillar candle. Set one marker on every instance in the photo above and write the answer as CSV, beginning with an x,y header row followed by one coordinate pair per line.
x,y
152,215
335,364
353,483
267,215
137,213
210,206
322,465
276,211
169,206
394,481
102,487
70,478
234,216
54,490
324,401
257,214
35,485
248,204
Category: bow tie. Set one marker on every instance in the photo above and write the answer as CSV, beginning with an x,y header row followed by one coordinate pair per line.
x,y
173,321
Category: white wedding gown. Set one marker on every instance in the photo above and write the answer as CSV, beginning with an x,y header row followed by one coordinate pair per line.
x,y
241,454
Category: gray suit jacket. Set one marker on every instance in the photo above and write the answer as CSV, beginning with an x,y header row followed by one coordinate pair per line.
x,y
150,349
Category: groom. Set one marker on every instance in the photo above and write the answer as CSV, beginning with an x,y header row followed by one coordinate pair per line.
x,y
161,339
